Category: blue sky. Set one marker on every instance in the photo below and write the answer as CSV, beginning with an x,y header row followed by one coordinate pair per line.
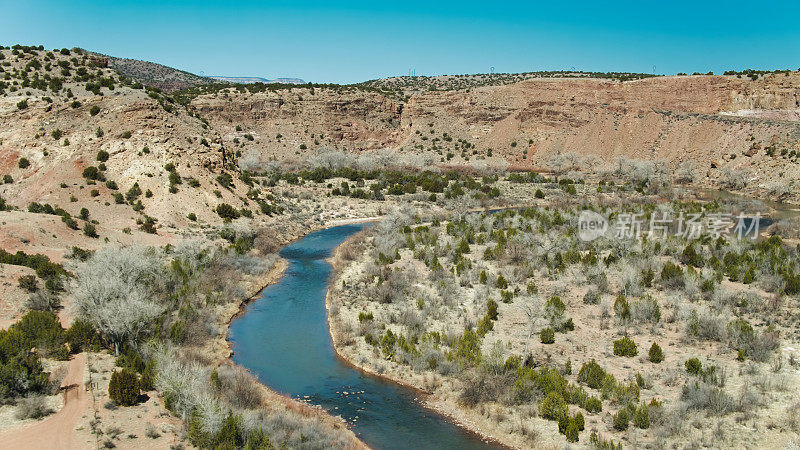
x,y
354,41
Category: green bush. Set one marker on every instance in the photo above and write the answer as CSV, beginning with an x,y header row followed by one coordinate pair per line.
x,y
491,309
554,310
177,332
691,257
147,382
94,110
547,336
655,354
28,282
592,374
694,366
227,212
641,417
89,230
579,421
553,406
93,173
23,163
622,308
625,347
593,405
501,282
671,272
102,156
792,286
621,420
81,336
123,388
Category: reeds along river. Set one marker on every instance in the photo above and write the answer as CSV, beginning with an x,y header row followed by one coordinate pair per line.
x,y
283,339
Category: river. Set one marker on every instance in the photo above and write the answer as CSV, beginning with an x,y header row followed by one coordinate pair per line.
x,y
283,339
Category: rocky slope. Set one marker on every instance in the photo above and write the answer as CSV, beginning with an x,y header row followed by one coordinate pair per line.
x,y
718,123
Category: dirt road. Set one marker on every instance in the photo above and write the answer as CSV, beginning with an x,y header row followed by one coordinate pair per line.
x,y
58,430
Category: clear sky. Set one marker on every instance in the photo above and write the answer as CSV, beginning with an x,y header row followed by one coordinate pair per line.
x,y
346,42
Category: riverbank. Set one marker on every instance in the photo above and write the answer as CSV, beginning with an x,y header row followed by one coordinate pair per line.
x,y
220,352
222,348
467,419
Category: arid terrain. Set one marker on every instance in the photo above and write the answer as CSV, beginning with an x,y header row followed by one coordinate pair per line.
x,y
132,187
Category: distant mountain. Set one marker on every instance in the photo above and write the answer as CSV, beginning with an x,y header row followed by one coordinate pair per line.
x,y
251,80
151,74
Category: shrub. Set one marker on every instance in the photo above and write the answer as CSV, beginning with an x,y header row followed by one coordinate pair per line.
x,y
22,104
547,336
227,212
33,407
89,230
655,354
554,310
81,336
23,163
553,406
177,333
621,420
691,257
579,421
491,309
592,297
539,194
501,282
622,308
102,156
641,417
792,286
123,388
592,374
625,347
134,192
593,405
94,110
671,272
28,282
694,366
92,173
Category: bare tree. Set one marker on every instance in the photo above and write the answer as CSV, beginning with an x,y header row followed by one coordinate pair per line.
x,y
251,161
330,159
532,307
782,189
115,290
558,165
685,172
734,178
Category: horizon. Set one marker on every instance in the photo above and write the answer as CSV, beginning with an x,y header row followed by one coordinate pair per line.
x,y
355,41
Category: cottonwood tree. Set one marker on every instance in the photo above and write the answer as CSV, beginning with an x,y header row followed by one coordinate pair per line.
x,y
251,161
685,172
115,289
735,178
558,165
330,159
782,189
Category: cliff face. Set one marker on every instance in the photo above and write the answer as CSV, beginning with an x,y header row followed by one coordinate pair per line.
x,y
709,120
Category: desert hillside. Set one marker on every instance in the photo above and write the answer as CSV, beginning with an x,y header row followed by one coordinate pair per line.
x,y
142,198
719,124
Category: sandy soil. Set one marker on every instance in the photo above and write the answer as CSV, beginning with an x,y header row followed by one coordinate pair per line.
x,y
57,431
